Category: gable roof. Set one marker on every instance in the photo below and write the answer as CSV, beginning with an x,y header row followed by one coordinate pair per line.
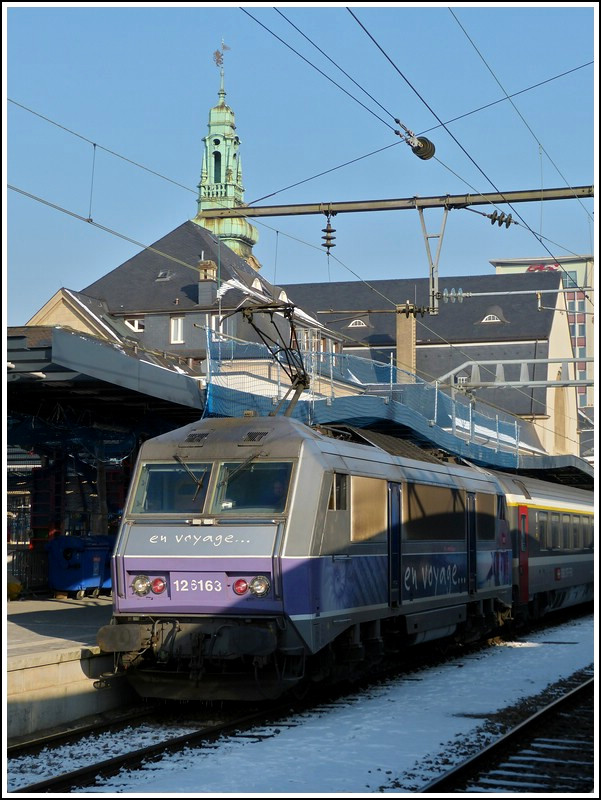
x,y
455,322
166,272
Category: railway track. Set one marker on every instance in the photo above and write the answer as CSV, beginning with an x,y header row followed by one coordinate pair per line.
x,y
551,751
204,726
89,774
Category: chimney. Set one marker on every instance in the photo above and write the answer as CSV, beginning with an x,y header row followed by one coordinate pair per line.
x,y
207,285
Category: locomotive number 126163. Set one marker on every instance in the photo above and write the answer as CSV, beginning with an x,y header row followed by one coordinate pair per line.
x,y
197,585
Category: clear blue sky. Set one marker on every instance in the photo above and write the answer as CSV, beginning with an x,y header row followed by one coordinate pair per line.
x,y
139,81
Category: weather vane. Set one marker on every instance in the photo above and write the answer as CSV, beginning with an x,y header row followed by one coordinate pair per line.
x,y
218,54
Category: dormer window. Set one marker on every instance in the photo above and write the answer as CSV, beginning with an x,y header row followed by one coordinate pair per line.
x,y
494,314
135,323
164,275
357,323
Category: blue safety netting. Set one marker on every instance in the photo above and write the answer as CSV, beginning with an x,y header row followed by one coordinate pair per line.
x,y
346,389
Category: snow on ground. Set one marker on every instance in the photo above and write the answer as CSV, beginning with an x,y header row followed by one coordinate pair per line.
x,y
381,741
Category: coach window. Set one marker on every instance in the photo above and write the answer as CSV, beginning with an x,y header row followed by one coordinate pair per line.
x,y
576,532
433,512
369,509
485,515
542,527
555,532
587,532
338,493
566,528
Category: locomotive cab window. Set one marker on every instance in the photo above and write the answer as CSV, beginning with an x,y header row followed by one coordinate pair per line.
x,y
338,494
256,487
171,488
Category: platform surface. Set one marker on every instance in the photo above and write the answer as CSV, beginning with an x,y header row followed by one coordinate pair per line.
x,y
45,630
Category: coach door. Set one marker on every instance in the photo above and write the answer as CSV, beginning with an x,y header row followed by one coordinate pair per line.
x,y
394,544
523,552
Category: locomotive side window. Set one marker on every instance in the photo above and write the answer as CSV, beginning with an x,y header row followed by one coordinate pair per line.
x,y
369,509
260,487
501,507
485,516
338,494
542,525
433,512
171,488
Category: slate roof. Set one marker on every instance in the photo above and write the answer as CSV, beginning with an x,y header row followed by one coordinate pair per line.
x,y
98,309
455,322
133,286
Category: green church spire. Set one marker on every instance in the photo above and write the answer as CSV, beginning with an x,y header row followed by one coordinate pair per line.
x,y
221,176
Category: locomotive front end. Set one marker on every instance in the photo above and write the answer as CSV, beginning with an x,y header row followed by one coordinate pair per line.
x,y
198,608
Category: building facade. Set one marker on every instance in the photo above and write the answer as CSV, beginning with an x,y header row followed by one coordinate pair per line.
x,y
578,280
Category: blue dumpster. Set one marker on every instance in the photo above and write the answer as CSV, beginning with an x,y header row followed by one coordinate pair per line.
x,y
78,564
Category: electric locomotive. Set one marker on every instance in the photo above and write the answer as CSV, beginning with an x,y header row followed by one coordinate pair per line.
x,y
258,553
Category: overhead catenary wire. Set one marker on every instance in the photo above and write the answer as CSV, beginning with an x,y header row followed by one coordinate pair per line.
x,y
452,347
165,255
189,266
518,112
587,297
298,183
193,190
540,238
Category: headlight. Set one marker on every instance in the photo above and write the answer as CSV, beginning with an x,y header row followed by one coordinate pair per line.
x,y
259,586
141,584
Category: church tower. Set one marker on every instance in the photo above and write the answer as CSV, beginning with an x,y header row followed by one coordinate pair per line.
x,y
221,178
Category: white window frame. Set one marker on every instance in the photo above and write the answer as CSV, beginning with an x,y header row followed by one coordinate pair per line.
x,y
136,324
176,329
218,334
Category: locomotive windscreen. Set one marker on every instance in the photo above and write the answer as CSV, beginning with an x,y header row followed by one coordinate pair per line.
x,y
258,487
171,488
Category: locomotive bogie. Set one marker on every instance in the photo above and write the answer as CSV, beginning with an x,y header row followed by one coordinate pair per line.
x,y
257,553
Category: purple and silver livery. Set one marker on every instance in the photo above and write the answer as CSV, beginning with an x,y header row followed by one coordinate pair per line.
x,y
259,553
